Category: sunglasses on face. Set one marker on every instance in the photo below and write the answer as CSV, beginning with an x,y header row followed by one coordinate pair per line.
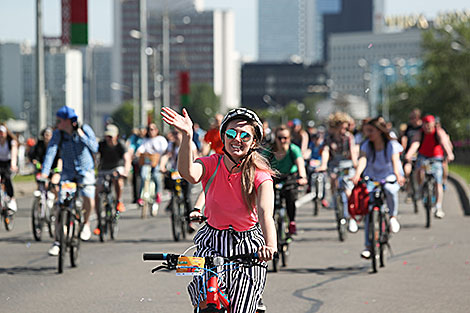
x,y
232,134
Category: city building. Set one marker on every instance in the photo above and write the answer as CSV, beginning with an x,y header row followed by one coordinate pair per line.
x,y
201,43
63,84
364,63
11,78
267,85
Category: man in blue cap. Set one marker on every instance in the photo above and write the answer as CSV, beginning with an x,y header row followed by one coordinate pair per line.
x,y
77,146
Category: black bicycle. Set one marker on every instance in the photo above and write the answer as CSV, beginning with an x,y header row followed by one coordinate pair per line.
x,y
70,223
42,211
217,301
317,187
281,220
429,188
178,204
7,215
378,223
106,206
340,197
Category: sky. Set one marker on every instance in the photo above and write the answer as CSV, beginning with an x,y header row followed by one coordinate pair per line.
x,y
17,18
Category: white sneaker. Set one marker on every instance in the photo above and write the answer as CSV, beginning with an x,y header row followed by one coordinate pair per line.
x,y
54,250
394,225
85,235
439,213
353,226
12,205
365,254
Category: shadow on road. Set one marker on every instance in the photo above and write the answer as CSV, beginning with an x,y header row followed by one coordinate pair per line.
x,y
23,270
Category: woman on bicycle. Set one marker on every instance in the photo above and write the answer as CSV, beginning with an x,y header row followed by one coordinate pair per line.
x,y
8,163
380,160
286,157
152,147
239,202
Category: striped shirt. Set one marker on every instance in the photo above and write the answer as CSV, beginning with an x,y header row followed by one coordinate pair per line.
x,y
76,152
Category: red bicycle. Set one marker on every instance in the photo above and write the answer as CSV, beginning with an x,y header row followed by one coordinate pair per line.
x,y
216,300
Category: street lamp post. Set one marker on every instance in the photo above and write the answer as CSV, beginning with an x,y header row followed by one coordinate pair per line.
x,y
143,90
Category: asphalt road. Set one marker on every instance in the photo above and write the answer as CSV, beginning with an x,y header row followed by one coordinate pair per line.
x,y
429,270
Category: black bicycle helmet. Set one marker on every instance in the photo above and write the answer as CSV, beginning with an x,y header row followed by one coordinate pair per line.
x,y
244,114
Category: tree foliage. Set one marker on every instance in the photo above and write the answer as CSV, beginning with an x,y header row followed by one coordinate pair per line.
x,y
5,113
124,117
203,104
443,86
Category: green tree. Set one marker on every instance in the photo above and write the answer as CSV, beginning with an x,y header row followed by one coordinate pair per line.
x,y
203,104
124,117
5,113
442,87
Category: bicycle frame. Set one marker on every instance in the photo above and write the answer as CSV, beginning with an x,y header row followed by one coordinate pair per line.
x,y
216,299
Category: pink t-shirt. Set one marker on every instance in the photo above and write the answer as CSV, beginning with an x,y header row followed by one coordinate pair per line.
x,y
224,201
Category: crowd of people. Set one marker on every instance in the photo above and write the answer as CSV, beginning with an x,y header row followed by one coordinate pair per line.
x,y
237,160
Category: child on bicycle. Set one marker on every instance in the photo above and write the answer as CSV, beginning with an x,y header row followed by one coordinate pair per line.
x,y
379,159
239,202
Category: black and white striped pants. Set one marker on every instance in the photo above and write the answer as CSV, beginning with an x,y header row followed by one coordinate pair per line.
x,y
244,286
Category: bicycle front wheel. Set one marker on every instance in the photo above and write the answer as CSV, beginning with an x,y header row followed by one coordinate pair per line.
x,y
427,198
384,236
101,213
74,235
374,234
62,245
340,219
36,219
176,215
112,217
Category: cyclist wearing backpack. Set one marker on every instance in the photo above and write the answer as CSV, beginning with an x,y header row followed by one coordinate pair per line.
x,y
286,157
379,159
239,202
77,146
432,143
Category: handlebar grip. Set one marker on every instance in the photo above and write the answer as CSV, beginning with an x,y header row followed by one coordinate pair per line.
x,y
155,256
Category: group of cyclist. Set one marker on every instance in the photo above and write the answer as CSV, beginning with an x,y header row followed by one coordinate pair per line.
x,y
238,164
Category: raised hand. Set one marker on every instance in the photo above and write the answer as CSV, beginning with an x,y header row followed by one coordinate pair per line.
x,y
182,123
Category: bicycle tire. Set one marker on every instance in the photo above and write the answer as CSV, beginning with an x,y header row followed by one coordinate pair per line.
x,y
278,224
285,237
9,220
101,214
340,219
374,236
37,222
427,198
62,245
113,216
175,220
51,218
74,236
384,228
414,196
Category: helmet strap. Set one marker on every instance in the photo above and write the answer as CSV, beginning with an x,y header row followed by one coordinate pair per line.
x,y
239,163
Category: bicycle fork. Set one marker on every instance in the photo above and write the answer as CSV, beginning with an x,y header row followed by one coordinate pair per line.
x,y
216,298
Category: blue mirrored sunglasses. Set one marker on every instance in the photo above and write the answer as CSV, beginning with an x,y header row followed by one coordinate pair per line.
x,y
232,134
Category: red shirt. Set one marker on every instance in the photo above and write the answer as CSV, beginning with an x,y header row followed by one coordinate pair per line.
x,y
429,147
212,137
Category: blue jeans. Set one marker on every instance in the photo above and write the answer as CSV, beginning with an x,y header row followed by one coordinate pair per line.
x,y
391,197
155,177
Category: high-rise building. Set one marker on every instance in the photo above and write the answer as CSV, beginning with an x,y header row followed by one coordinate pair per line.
x,y
64,83
201,42
11,78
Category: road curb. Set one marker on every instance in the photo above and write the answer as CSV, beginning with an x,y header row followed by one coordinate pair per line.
x,y
463,191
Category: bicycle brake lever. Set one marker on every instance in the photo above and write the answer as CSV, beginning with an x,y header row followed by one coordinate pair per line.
x,y
161,267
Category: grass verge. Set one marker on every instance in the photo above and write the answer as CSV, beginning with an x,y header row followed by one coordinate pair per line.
x,y
462,170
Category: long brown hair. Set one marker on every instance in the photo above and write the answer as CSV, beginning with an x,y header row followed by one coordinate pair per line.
x,y
254,161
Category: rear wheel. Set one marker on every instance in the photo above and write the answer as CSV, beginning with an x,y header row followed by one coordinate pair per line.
x,y
36,220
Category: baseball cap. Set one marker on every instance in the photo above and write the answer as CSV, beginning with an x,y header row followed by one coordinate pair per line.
x,y
296,122
111,130
66,112
428,119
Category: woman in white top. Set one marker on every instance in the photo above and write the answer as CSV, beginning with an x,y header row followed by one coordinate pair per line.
x,y
379,159
8,162
152,148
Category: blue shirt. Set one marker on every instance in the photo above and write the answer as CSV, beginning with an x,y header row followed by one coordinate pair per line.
x,y
379,163
76,152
